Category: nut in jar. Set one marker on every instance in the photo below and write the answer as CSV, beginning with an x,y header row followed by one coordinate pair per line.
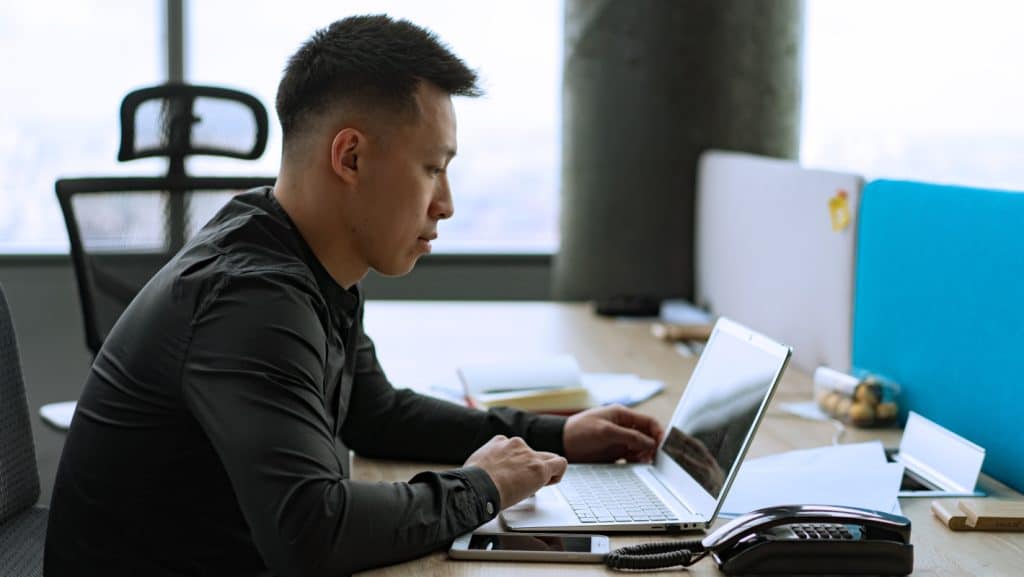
x,y
869,401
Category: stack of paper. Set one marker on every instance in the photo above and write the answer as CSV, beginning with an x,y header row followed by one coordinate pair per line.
x,y
856,475
550,384
619,388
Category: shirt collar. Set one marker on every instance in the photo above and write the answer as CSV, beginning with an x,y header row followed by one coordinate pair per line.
x,y
343,302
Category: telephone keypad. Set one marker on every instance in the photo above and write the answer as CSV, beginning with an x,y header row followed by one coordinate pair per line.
x,y
822,531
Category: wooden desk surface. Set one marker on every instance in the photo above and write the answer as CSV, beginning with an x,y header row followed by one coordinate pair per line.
x,y
420,344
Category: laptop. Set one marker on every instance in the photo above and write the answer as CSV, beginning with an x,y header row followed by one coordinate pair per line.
x,y
772,231
686,484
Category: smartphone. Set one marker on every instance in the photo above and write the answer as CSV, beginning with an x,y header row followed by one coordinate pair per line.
x,y
550,547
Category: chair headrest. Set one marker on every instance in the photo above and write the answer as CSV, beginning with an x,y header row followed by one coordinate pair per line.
x,y
177,120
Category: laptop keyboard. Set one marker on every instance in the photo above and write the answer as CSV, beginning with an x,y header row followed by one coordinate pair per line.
x,y
611,494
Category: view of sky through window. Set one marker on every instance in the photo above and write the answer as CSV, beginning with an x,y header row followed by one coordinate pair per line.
x,y
919,89
925,90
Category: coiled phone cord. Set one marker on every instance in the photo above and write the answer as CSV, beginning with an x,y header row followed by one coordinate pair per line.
x,y
656,555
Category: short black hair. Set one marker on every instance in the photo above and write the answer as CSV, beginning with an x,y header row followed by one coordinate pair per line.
x,y
369,60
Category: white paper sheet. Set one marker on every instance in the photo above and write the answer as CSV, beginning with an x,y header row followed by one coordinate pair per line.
x,y
855,475
806,409
682,312
551,372
622,388
605,389
853,455
58,414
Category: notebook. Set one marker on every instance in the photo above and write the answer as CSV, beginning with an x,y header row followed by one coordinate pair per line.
x,y
550,384
775,249
683,489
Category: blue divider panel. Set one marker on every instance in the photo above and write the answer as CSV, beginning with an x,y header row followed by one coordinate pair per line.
x,y
939,307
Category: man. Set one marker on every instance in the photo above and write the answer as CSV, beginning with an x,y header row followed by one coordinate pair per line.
x,y
213,432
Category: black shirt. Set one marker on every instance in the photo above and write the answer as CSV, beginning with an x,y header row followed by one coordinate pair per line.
x,y
213,431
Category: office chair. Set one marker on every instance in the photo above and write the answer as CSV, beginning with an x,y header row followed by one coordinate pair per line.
x,y
124,229
22,523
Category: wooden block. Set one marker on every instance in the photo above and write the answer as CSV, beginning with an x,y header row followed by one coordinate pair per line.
x,y
672,332
993,514
950,515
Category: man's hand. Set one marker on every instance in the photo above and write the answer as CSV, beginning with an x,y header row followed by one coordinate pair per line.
x,y
607,434
517,470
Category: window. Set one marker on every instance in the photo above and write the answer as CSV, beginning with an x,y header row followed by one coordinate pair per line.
x,y
505,177
67,69
924,89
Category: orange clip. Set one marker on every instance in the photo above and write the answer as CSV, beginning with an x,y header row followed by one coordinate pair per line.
x,y
839,210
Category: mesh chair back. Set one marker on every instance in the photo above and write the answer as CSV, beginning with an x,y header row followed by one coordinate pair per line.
x,y
123,230
19,479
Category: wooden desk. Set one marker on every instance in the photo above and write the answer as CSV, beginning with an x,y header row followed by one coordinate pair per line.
x,y
420,344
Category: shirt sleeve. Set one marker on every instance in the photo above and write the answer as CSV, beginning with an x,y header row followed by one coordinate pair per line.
x,y
253,382
391,423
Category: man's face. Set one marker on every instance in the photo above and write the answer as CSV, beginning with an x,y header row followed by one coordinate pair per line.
x,y
403,186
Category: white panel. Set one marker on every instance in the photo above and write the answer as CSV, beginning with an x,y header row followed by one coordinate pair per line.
x,y
768,257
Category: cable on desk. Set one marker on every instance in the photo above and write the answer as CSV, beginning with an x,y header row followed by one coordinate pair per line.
x,y
656,555
837,437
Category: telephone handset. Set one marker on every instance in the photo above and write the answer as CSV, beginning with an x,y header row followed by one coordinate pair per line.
x,y
795,539
813,539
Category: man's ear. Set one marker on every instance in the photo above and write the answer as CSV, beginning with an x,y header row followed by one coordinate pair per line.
x,y
346,149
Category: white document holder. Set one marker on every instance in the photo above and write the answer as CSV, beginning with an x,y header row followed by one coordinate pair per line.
x,y
944,463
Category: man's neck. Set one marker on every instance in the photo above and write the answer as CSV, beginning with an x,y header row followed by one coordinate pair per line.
x,y
318,224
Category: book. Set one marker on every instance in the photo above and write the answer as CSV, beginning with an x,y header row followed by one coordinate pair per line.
x,y
559,401
552,384
549,372
546,384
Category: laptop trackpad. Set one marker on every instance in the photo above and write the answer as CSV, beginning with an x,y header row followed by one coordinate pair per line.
x,y
546,508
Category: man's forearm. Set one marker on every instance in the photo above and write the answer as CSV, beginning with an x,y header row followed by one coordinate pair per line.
x,y
402,424
387,523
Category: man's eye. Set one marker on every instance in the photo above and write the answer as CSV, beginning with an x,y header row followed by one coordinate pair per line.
x,y
435,170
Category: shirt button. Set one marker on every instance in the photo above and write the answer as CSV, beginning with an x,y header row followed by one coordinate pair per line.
x,y
490,508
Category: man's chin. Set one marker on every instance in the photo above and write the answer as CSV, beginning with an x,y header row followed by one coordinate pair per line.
x,y
398,268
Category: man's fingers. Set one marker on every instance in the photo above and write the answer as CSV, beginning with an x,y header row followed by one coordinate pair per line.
x,y
658,432
640,456
554,467
650,426
498,438
557,465
639,421
634,440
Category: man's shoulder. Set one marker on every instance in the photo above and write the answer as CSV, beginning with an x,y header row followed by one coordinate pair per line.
x,y
251,234
249,243
253,222
254,275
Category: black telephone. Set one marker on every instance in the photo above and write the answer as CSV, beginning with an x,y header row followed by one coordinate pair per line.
x,y
814,539
791,540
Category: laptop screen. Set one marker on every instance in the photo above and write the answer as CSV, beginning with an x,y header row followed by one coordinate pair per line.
x,y
722,403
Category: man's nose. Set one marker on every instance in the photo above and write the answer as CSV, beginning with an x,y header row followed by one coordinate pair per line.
x,y
443,206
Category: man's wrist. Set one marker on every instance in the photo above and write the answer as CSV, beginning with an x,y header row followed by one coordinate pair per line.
x,y
489,498
547,433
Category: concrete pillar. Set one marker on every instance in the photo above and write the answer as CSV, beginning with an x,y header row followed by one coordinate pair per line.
x,y
648,85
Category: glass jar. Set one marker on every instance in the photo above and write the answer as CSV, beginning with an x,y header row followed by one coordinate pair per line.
x,y
866,400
